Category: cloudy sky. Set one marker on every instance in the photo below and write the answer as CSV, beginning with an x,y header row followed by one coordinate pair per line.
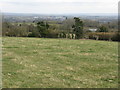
x,y
59,6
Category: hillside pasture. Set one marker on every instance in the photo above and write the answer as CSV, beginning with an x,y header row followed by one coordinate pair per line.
x,y
59,63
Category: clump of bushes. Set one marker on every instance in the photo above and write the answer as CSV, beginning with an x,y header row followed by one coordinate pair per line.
x,y
52,33
116,37
104,36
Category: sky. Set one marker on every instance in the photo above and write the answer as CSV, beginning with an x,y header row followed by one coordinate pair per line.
x,y
59,6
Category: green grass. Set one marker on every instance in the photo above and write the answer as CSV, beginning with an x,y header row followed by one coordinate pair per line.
x,y
59,63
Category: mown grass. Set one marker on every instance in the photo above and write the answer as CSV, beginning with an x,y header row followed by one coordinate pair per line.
x,y
59,63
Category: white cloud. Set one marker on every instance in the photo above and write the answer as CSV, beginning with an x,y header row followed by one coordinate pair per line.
x,y
59,6
60,1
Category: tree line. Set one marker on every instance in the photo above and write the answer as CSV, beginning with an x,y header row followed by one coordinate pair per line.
x,y
70,28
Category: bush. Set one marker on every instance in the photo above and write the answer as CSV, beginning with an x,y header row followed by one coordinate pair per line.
x,y
104,36
116,37
34,33
52,34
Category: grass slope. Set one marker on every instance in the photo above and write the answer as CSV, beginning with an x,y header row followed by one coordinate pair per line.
x,y
56,63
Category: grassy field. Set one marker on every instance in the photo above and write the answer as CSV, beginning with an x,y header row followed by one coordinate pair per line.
x,y
59,63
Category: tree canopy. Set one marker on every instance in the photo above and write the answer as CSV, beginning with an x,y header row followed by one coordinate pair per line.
x,y
78,28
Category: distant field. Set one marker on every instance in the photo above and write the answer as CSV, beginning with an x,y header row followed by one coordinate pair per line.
x,y
59,63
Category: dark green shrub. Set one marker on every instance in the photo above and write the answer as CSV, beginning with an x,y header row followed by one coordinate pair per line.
x,y
116,37
104,36
52,34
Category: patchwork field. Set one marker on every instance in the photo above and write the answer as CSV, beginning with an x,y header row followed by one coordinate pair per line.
x,y
59,63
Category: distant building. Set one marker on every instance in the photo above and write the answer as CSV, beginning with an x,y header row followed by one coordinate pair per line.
x,y
35,17
92,30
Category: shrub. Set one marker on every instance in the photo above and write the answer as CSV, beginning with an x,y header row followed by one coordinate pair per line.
x,y
116,37
104,36
52,34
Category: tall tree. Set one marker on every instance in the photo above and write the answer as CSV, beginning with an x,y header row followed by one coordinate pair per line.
x,y
78,28
102,29
43,28
67,25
